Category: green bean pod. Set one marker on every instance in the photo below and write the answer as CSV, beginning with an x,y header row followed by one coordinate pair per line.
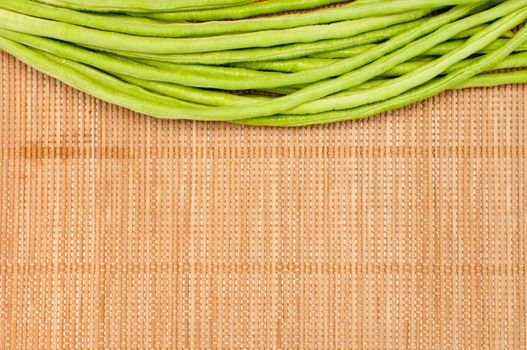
x,y
274,53
412,50
134,25
142,5
417,77
117,41
450,81
307,63
435,51
332,64
162,29
243,11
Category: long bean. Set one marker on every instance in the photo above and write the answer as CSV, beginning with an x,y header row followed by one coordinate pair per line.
x,y
334,63
73,33
348,80
185,75
517,60
182,74
113,90
133,25
243,11
199,76
344,13
215,98
435,51
126,101
493,79
109,88
207,97
141,5
142,105
452,80
274,53
352,11
307,63
396,42
324,89
413,48
419,76
349,47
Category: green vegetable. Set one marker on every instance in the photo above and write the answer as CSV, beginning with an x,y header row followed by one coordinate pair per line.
x,y
243,11
350,61
110,40
142,5
139,25
451,81
417,77
278,52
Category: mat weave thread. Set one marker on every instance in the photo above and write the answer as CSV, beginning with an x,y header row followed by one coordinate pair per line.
x,y
119,231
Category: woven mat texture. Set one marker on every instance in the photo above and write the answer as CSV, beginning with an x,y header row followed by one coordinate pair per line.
x,y
406,230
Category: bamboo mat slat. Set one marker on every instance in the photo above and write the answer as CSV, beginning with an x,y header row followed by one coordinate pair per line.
x,y
119,231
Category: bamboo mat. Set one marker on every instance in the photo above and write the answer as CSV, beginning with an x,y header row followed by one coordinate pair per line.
x,y
119,231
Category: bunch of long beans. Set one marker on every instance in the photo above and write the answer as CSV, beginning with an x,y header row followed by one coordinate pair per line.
x,y
273,62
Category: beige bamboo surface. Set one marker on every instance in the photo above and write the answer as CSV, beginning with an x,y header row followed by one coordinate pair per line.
x,y
119,231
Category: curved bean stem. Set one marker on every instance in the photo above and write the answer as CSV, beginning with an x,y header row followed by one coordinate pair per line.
x,y
348,80
307,63
353,10
435,51
243,11
189,75
517,60
414,49
141,5
118,41
396,42
196,95
493,79
110,90
132,25
274,53
225,99
126,25
417,77
115,91
174,91
452,80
